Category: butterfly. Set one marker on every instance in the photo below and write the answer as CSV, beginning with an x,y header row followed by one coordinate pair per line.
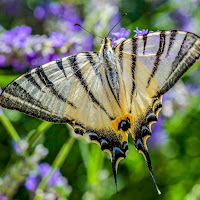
x,y
110,93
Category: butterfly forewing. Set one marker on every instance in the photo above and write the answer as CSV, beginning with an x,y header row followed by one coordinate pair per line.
x,y
70,90
159,59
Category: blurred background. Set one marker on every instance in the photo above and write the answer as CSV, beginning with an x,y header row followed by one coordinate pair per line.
x,y
34,32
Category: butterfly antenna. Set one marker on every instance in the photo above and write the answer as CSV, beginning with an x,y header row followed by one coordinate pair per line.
x,y
87,30
117,23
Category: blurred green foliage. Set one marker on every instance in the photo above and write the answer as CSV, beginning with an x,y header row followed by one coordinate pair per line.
x,y
87,168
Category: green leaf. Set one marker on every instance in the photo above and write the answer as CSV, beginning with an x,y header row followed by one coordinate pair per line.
x,y
6,79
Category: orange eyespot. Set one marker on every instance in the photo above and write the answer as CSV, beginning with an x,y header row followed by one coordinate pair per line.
x,y
116,123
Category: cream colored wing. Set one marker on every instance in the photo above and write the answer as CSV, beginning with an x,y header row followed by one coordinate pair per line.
x,y
157,60
150,65
70,90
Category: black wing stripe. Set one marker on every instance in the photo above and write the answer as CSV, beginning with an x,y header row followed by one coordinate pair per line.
x,y
30,78
144,37
78,74
94,65
41,74
60,66
15,97
133,65
186,62
121,48
182,52
97,72
37,110
171,40
48,83
111,89
110,73
17,91
158,55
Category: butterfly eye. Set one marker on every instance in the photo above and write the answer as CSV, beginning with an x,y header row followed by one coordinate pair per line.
x,y
124,124
145,131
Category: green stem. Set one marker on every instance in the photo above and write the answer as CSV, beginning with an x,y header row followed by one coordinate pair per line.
x,y
57,163
9,127
63,153
42,128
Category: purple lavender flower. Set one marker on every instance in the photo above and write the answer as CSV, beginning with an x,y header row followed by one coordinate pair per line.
x,y
20,147
16,147
55,8
123,33
32,182
16,37
20,49
185,19
22,31
20,34
44,169
120,35
142,32
18,66
55,178
159,134
39,12
3,197
2,61
64,15
193,89
57,39
8,37
87,43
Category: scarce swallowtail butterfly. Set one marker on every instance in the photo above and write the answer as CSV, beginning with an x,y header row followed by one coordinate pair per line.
x,y
110,93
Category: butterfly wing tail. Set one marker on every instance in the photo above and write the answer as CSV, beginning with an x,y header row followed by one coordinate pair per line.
x,y
143,150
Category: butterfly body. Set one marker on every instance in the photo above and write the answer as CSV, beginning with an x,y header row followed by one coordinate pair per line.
x,y
108,94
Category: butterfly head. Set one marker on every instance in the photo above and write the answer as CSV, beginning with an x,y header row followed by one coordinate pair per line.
x,y
106,43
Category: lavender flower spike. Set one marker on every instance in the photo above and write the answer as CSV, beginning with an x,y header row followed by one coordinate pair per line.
x,y
142,32
20,147
2,61
44,169
56,178
32,182
121,35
